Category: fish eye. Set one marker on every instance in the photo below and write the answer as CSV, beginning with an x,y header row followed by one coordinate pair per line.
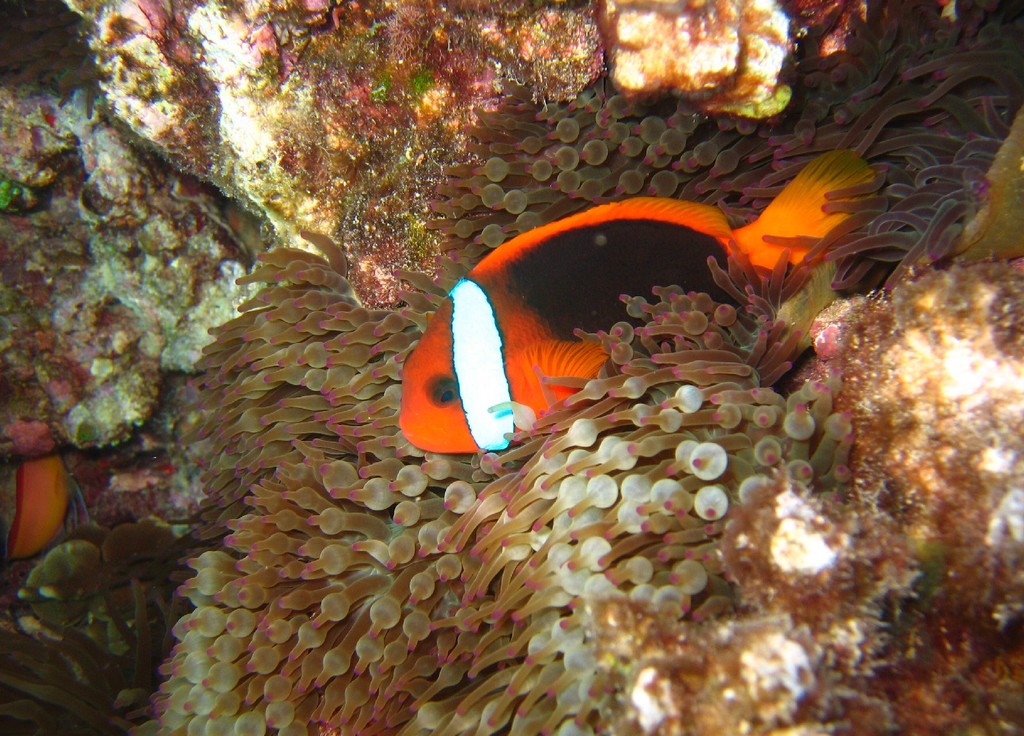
x,y
444,390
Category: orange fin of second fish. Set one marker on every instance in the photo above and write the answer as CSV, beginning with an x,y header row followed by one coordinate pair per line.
x,y
797,211
44,490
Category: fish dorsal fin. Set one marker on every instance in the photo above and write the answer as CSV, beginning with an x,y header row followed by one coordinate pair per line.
x,y
797,211
700,217
703,218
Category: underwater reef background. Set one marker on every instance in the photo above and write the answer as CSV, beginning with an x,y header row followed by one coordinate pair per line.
x,y
728,531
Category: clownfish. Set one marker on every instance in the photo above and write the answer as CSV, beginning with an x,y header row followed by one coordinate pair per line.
x,y
510,321
45,495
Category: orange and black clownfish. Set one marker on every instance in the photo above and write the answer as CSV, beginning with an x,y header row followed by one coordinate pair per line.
x,y
513,315
45,495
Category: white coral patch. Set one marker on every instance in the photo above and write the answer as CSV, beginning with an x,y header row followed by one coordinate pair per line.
x,y
231,59
648,707
1008,519
797,548
777,671
998,461
970,371
790,504
228,53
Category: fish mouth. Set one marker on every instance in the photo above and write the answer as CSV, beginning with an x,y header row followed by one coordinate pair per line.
x,y
418,438
409,434
433,440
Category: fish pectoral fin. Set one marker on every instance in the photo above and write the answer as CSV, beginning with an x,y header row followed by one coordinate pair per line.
x,y
796,220
567,358
523,416
555,362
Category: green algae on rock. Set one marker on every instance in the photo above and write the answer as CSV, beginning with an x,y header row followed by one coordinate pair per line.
x,y
16,197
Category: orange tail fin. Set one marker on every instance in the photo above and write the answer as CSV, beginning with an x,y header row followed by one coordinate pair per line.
x,y
797,211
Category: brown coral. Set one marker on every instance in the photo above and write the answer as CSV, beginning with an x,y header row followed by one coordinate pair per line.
x,y
758,675
814,579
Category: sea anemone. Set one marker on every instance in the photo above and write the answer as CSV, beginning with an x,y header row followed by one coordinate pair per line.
x,y
366,586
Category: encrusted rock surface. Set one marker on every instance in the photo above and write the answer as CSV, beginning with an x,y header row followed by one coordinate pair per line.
x,y
724,55
333,118
113,278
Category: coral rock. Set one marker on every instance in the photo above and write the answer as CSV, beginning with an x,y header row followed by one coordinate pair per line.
x,y
726,55
936,381
757,675
329,117
29,437
939,370
116,279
